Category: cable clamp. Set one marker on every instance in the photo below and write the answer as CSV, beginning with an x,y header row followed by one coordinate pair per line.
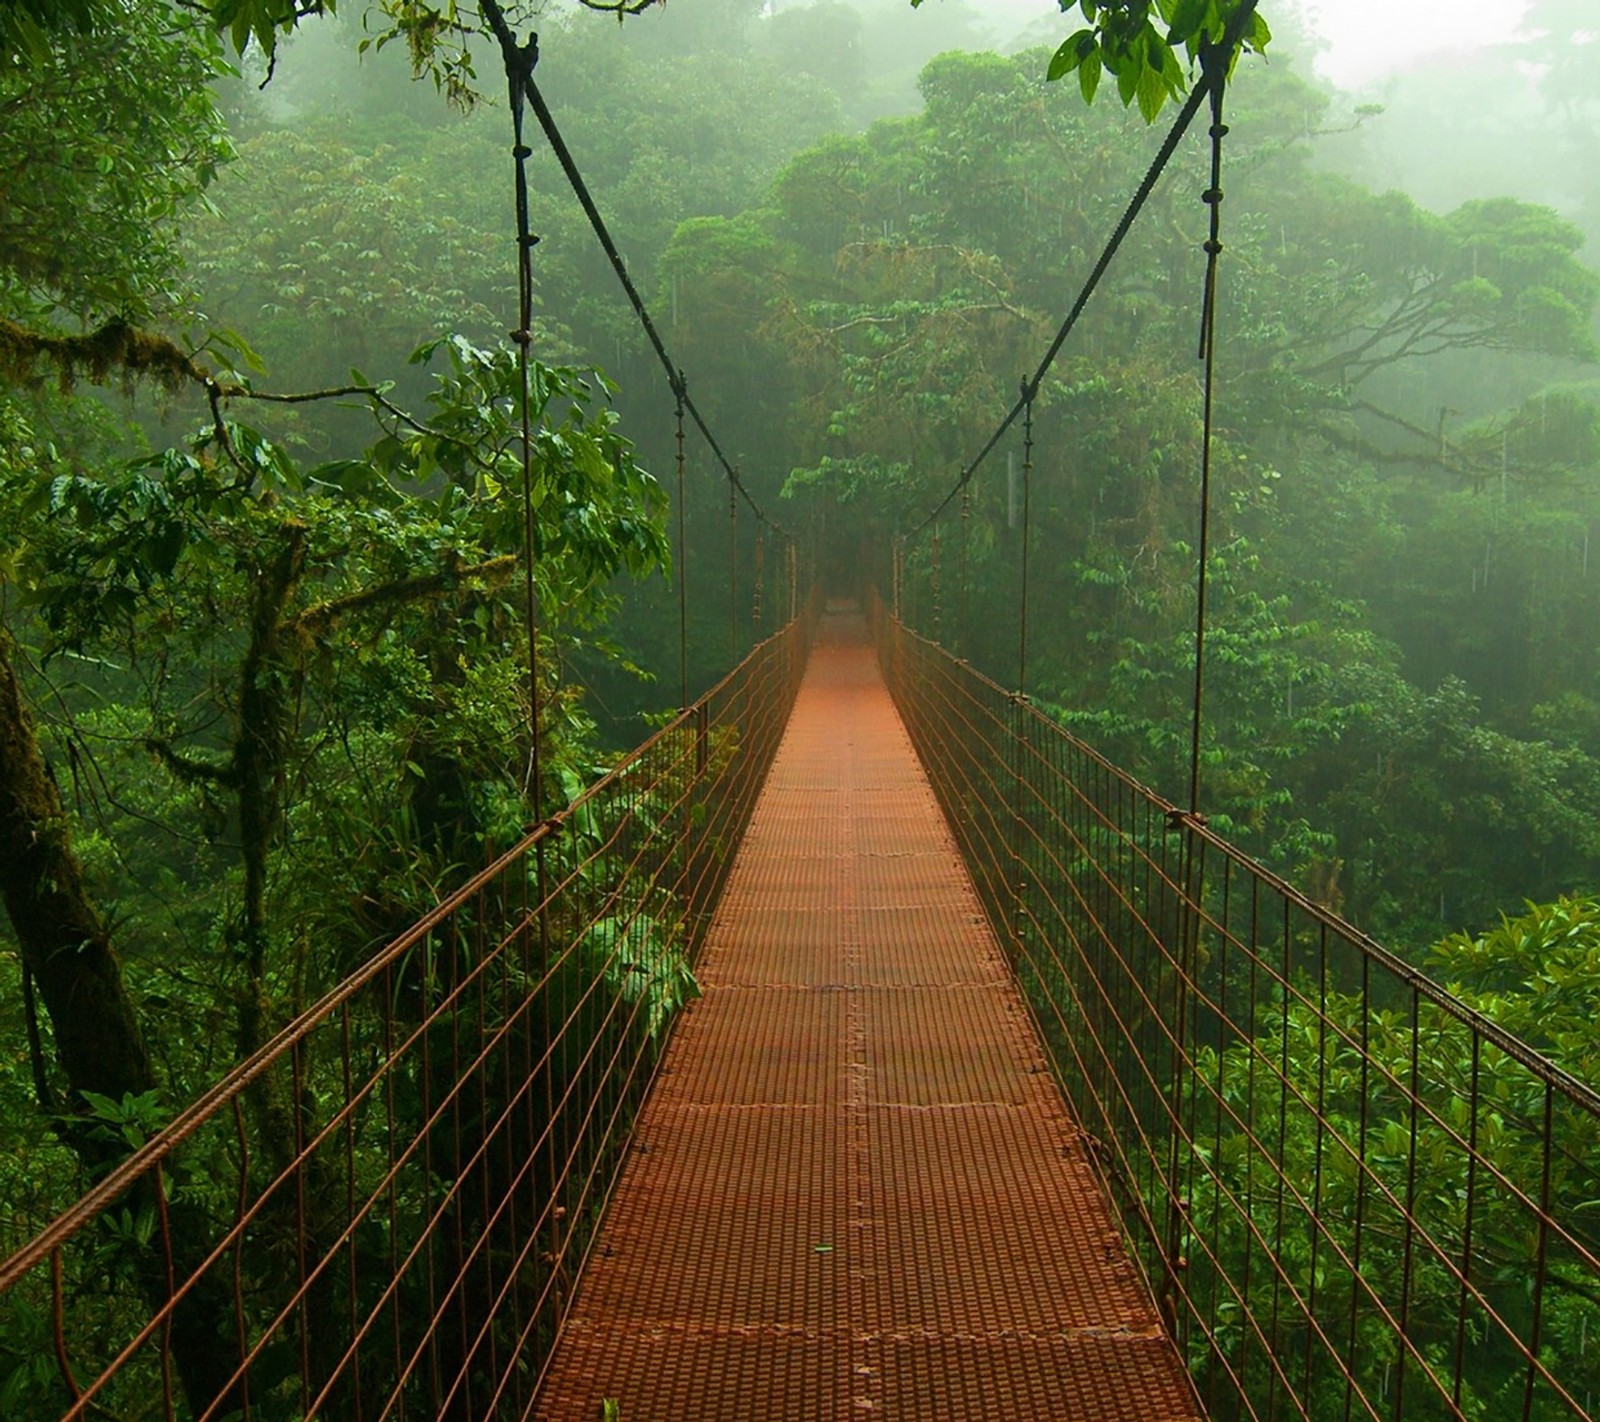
x,y
1212,246
1212,196
1220,130
520,60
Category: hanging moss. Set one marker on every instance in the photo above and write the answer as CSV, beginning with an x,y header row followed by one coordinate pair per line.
x,y
116,349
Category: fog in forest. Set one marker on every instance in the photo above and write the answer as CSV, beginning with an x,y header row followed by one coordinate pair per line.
x,y
269,545
858,225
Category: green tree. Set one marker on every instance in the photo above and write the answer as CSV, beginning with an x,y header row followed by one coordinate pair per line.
x,y
110,132
1424,1152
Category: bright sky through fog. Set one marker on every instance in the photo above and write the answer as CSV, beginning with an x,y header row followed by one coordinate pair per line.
x,y
1369,39
1366,40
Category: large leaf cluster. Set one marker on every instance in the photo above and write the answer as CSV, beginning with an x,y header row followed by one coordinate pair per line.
x,y
110,132
393,671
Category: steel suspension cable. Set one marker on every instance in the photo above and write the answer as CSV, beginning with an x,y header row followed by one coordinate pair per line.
x,y
966,530
602,233
1027,495
679,386
760,576
1192,858
519,63
1211,78
1215,64
733,570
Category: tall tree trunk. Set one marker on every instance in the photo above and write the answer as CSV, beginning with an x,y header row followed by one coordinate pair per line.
x,y
64,944
258,755
67,950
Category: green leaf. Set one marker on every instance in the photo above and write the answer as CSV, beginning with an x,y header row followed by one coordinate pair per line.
x,y
1089,77
1152,91
1128,82
1188,18
1069,56
104,1107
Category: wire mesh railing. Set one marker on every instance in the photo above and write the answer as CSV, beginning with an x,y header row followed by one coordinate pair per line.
x,y
382,1213
1351,1195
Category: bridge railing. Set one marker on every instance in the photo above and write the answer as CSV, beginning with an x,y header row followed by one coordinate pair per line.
x,y
1351,1195
382,1213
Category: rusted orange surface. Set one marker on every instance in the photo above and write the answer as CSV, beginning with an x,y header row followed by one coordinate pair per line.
x,y
855,1191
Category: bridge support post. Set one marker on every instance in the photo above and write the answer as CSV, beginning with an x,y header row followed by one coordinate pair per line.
x,y
1182,955
1019,862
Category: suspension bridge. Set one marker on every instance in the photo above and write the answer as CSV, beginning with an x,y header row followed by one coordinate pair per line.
x,y
1002,1087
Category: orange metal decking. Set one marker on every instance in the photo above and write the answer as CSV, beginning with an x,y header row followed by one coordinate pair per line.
x,y
855,1191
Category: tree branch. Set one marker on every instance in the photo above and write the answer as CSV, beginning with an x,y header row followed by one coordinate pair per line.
x,y
116,347
186,768
317,619
619,8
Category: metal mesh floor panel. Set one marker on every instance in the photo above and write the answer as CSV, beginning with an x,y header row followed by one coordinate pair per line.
x,y
982,1219
1105,1378
950,1047
927,947
773,947
738,1051
733,1218
855,1191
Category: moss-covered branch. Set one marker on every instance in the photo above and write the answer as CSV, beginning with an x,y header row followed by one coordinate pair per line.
x,y
116,350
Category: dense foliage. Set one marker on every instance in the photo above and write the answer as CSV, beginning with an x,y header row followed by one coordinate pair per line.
x,y
261,686
1395,596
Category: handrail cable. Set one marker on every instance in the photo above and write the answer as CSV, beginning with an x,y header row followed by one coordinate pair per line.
x,y
1210,77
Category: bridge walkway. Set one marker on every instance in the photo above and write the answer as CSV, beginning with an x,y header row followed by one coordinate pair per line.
x,y
855,1191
